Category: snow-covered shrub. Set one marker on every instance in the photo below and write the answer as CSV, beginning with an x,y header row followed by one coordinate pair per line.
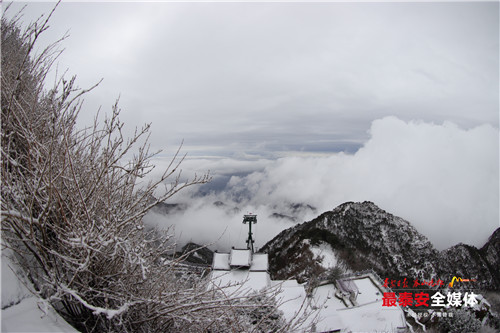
x,y
461,321
335,273
72,211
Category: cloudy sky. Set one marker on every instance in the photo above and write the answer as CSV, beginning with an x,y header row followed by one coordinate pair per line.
x,y
317,103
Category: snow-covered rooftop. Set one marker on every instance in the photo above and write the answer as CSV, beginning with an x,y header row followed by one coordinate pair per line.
x,y
372,317
242,271
227,272
221,261
368,316
292,298
368,291
256,262
240,281
260,262
240,258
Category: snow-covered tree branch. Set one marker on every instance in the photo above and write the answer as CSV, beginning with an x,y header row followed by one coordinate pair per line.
x,y
72,210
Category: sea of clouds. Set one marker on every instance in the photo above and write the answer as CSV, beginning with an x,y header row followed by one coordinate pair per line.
x,y
442,178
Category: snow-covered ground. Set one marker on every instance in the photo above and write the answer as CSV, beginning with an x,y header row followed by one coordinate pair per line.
x,y
324,253
369,316
331,313
33,314
21,310
13,290
24,312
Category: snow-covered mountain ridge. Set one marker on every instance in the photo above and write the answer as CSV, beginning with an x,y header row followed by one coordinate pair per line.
x,y
363,236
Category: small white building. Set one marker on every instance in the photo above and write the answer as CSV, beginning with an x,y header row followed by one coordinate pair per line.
x,y
240,271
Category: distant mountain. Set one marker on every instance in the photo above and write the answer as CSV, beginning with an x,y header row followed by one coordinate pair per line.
x,y
291,211
196,254
469,262
358,236
168,208
225,207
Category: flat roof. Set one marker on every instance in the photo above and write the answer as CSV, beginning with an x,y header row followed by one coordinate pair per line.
x,y
240,258
221,261
240,281
369,316
260,262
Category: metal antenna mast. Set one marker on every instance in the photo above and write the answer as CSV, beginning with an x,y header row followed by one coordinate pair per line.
x,y
250,219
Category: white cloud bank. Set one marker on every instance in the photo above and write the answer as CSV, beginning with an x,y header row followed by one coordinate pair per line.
x,y
440,177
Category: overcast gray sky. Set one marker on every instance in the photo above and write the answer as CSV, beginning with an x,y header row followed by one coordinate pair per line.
x,y
268,78
244,84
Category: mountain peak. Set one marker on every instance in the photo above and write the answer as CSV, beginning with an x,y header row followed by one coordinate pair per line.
x,y
365,214
359,206
356,236
361,236
494,238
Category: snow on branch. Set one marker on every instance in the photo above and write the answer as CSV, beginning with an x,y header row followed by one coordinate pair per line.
x,y
110,313
73,205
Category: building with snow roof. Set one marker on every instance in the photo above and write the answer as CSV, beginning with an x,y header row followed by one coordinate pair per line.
x,y
240,259
335,307
240,270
